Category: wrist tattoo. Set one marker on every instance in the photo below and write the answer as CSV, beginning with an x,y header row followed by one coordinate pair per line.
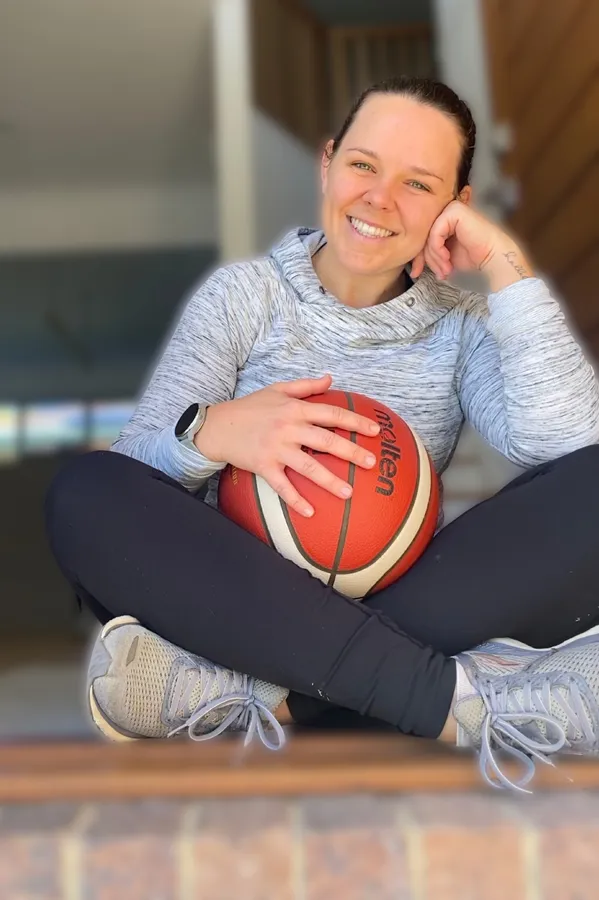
x,y
521,269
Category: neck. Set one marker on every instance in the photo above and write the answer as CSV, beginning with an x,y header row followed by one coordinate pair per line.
x,y
356,290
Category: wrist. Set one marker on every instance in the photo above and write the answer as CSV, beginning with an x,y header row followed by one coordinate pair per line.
x,y
506,265
206,440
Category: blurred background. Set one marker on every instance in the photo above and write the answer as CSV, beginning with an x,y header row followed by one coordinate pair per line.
x,y
142,144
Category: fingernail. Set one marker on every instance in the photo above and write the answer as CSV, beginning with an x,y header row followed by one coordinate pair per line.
x,y
370,460
346,491
375,428
308,511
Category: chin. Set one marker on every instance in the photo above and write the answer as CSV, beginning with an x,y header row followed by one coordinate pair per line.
x,y
363,264
365,268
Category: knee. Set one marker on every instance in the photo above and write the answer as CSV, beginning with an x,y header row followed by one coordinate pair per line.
x,y
589,456
584,462
578,475
76,488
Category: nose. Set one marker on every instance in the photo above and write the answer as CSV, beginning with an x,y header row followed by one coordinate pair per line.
x,y
379,196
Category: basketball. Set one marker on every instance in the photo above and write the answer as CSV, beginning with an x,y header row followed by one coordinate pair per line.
x,y
362,544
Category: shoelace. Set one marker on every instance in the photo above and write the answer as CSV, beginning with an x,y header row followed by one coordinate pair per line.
x,y
236,691
504,709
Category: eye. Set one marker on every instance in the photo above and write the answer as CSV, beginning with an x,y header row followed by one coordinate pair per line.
x,y
360,164
419,185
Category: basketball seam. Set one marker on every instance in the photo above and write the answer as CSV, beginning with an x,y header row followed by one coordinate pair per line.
x,y
334,575
372,589
258,504
295,538
347,507
384,549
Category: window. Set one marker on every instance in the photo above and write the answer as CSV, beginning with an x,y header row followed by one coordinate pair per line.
x,y
46,428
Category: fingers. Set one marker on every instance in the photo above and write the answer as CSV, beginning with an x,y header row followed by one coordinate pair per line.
x,y
436,254
442,228
330,442
337,417
305,387
279,482
439,261
437,258
305,464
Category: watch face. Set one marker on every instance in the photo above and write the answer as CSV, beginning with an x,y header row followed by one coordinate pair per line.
x,y
186,419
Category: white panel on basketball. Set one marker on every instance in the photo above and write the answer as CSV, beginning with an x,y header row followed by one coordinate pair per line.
x,y
278,529
352,584
357,584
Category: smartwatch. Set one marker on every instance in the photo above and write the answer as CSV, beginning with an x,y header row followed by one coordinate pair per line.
x,y
189,424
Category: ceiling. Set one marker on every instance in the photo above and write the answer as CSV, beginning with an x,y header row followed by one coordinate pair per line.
x,y
103,92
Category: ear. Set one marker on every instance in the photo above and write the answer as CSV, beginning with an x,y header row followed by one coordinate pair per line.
x,y
465,195
325,162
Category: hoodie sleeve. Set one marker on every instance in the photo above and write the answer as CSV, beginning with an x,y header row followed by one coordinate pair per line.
x,y
198,365
522,378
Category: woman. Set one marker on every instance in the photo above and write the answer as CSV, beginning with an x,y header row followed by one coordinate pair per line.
x,y
202,621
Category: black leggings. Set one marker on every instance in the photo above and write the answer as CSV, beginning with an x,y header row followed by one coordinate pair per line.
x,y
523,564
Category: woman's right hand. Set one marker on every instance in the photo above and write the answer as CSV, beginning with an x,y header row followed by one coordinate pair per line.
x,y
266,431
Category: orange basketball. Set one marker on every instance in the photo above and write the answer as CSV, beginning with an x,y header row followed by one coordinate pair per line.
x,y
360,545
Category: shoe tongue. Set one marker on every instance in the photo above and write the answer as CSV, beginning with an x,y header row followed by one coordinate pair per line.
x,y
470,715
187,673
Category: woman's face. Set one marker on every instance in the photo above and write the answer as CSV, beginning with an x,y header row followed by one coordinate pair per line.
x,y
396,170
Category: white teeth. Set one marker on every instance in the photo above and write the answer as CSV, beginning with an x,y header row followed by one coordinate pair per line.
x,y
369,230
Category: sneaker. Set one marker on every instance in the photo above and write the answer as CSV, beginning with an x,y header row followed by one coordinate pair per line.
x,y
531,703
142,686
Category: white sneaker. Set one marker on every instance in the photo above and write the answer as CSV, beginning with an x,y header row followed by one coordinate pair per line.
x,y
531,703
142,686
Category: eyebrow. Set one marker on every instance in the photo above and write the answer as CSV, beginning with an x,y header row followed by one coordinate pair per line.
x,y
417,169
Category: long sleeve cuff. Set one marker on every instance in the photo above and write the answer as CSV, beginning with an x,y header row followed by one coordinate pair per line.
x,y
521,306
162,450
187,466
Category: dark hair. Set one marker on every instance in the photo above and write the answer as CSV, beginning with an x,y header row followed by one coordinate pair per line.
x,y
430,93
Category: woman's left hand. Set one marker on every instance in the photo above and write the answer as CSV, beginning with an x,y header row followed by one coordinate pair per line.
x,y
462,240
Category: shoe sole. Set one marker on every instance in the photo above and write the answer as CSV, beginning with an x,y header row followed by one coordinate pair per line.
x,y
100,720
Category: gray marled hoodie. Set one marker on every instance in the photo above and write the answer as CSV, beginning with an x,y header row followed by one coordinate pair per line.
x,y
436,355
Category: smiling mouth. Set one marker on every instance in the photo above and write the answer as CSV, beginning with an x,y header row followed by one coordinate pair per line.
x,y
364,229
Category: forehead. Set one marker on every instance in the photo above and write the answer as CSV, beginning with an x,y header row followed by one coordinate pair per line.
x,y
404,132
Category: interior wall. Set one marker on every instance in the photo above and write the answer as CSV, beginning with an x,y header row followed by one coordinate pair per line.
x,y
65,219
286,181
86,326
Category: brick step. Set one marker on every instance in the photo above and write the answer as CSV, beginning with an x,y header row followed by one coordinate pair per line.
x,y
411,846
404,818
323,762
